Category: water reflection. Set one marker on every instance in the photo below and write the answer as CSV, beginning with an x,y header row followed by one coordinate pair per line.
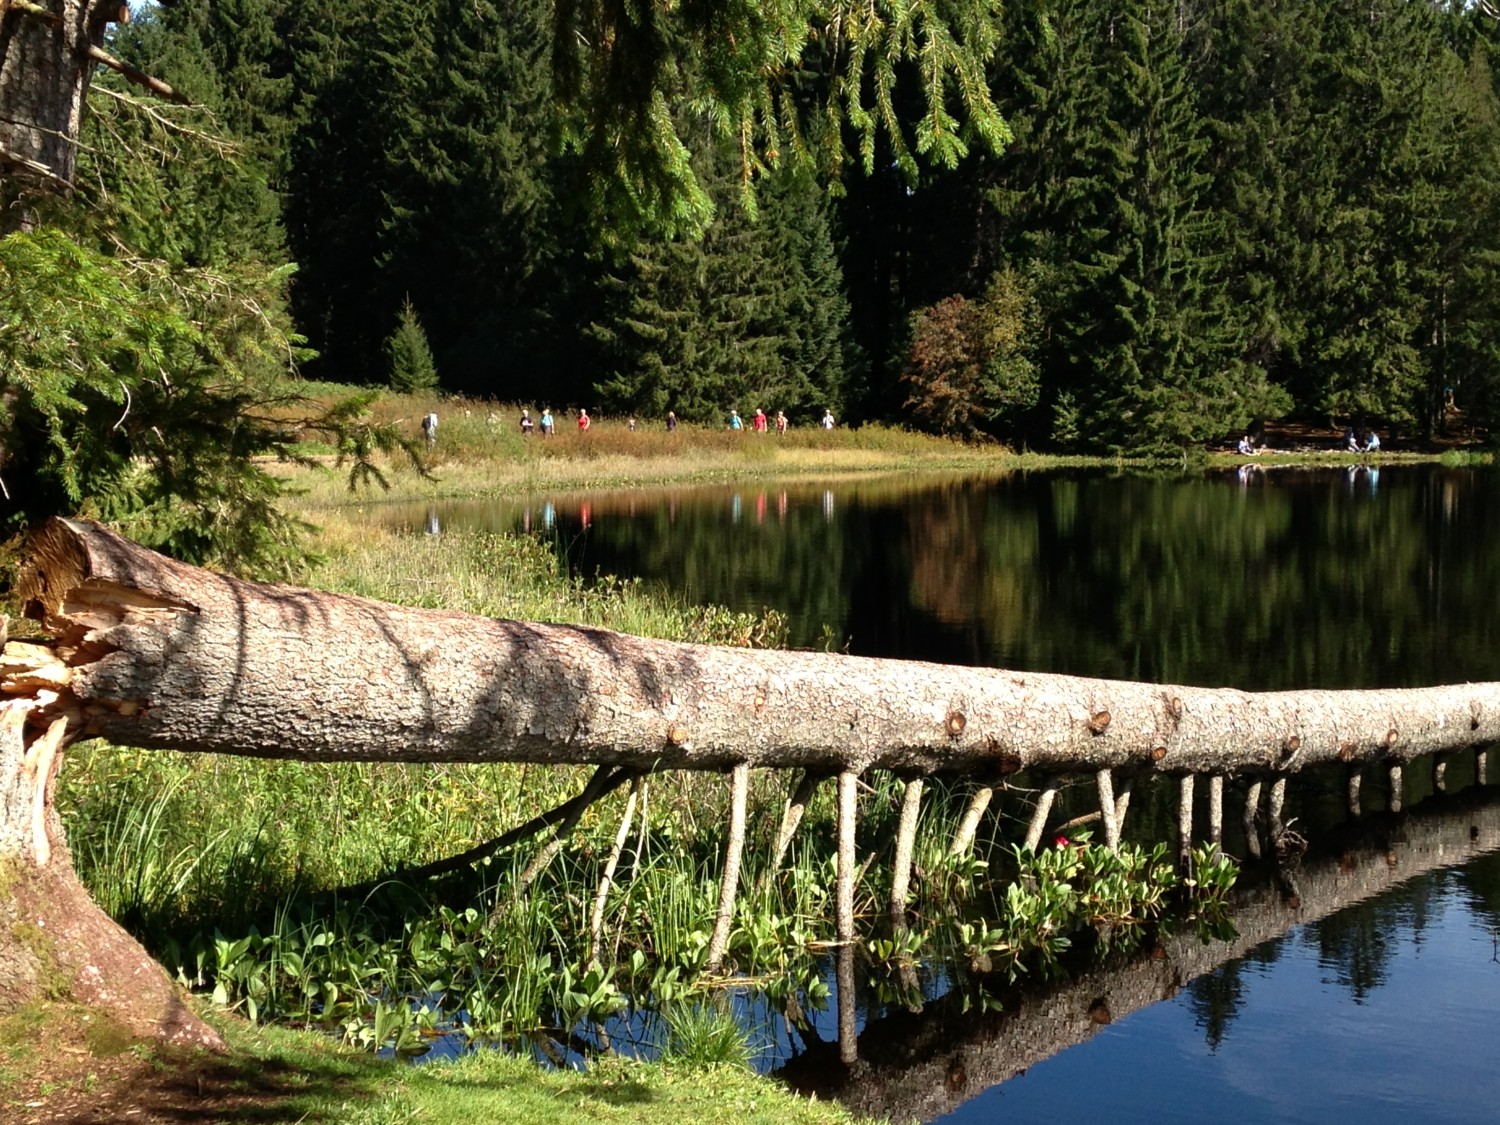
x,y
1270,579
1352,911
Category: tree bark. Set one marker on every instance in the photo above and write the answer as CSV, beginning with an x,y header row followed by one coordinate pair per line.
x,y
54,941
48,54
906,843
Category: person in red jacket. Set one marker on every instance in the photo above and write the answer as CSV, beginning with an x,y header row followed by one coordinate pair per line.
x,y
583,421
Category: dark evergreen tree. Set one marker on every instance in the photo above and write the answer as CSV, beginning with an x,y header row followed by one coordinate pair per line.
x,y
199,186
1464,345
1162,362
1106,194
1346,134
411,366
749,317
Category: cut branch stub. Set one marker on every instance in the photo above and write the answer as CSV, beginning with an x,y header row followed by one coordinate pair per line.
x,y
1290,748
1038,824
1099,722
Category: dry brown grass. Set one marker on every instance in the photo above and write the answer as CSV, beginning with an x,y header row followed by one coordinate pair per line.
x,y
480,450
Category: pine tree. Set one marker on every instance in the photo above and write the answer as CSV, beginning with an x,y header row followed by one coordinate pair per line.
x,y
1344,140
186,200
411,366
1169,371
1144,347
1464,345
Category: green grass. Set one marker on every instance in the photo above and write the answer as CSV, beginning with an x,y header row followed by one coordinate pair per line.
x,y
272,1075
336,1086
703,1034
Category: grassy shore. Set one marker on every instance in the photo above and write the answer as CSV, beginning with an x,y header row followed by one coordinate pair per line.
x,y
480,450
475,456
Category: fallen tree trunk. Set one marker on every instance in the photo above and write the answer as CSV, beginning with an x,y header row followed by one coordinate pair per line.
x,y
150,652
153,653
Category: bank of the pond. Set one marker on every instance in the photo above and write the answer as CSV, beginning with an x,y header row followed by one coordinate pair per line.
x,y
324,486
59,1064
480,450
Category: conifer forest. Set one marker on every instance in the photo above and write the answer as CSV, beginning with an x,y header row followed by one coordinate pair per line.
x,y
1184,217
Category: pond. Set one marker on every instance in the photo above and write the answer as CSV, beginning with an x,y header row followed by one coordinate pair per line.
x,y
1370,984
1286,578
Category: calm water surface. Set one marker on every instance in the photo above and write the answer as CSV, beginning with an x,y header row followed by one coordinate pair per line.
x,y
1384,1010
1289,578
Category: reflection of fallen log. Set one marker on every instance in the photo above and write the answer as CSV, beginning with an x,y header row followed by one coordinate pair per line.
x,y
918,1067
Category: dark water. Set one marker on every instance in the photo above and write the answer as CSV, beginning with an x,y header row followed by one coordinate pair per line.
x,y
1293,578
1370,989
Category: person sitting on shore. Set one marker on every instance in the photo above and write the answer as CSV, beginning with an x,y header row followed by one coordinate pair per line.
x,y
1351,440
1372,442
1246,447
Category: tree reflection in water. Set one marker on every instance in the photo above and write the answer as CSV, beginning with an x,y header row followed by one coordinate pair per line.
x,y
1357,904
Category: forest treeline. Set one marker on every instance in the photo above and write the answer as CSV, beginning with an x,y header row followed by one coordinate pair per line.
x,y
1211,212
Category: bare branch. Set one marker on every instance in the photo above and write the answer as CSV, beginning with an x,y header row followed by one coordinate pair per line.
x,y
34,167
596,921
139,77
220,144
729,885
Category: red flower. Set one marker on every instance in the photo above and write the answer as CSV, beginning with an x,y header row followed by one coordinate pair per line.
x,y
1061,841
